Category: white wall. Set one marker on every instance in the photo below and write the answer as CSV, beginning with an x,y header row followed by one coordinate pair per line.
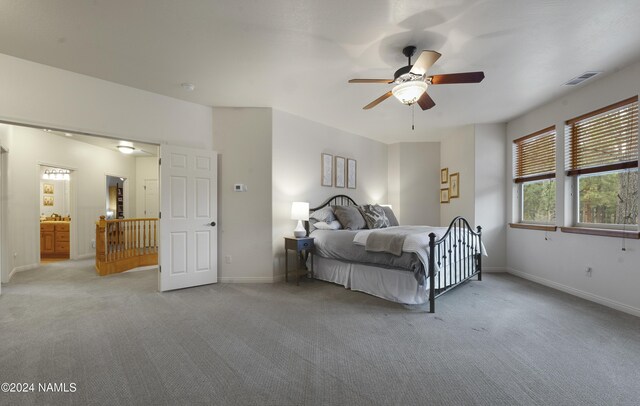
x,y
4,216
297,145
490,192
29,148
242,137
393,179
414,182
560,261
457,152
146,169
41,95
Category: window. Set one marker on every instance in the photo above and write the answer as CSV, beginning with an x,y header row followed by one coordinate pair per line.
x,y
535,172
602,155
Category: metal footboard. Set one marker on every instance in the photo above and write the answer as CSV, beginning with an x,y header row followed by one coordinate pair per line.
x,y
454,258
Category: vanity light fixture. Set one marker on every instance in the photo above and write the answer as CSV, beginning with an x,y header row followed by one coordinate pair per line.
x,y
56,174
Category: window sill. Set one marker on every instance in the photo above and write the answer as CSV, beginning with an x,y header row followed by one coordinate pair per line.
x,y
539,227
602,232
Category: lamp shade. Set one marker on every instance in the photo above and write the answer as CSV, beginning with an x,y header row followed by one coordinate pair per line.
x,y
300,211
409,92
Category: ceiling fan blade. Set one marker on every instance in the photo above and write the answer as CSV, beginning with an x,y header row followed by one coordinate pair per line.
x,y
378,101
371,81
424,62
468,77
425,101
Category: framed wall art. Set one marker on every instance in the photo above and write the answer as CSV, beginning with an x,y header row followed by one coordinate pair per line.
x,y
326,172
47,188
352,174
444,195
444,175
340,171
454,185
47,201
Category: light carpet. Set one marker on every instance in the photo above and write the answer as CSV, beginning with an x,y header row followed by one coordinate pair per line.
x,y
502,341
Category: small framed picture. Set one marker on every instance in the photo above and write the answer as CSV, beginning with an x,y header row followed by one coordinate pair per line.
x,y
340,171
47,200
351,173
326,173
444,175
444,195
454,185
47,188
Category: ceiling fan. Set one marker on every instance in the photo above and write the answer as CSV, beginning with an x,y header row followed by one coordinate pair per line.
x,y
411,81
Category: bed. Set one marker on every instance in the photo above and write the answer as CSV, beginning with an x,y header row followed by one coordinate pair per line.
x,y
430,262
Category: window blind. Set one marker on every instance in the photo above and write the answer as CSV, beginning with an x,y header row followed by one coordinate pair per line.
x,y
603,140
535,156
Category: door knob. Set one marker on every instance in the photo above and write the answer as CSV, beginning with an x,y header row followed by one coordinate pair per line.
x,y
212,224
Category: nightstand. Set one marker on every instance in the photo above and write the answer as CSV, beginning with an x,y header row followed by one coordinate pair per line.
x,y
303,247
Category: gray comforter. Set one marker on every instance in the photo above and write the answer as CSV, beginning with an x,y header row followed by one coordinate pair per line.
x,y
338,244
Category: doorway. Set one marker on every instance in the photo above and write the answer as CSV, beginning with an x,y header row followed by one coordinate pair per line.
x,y
55,209
115,197
4,251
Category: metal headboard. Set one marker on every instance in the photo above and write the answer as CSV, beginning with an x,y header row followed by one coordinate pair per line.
x,y
337,200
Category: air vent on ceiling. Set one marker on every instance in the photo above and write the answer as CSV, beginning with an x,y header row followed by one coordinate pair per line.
x,y
579,79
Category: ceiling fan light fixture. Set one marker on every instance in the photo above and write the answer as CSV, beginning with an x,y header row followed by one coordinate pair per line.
x,y
409,92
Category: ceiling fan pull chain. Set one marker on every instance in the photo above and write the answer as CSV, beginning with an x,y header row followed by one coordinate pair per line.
x,y
413,117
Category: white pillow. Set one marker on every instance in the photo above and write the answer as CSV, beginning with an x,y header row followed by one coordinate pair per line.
x,y
333,225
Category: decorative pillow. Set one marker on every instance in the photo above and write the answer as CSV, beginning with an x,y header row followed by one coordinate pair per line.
x,y
349,217
393,221
374,216
312,225
333,225
324,214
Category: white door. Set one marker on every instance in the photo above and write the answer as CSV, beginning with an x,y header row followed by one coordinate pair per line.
x,y
188,209
151,198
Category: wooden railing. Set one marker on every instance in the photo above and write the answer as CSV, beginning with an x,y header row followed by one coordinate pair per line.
x,y
125,244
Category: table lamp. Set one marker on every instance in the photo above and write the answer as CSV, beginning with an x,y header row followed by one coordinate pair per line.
x,y
299,211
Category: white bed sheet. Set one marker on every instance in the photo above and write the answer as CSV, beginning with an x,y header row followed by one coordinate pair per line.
x,y
397,286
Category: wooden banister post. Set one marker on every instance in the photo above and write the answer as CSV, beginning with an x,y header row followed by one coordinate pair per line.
x,y
101,232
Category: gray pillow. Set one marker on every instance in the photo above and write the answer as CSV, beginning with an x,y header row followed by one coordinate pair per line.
x,y
324,214
374,216
349,217
393,221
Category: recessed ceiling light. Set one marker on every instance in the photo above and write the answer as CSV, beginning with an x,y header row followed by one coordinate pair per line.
x,y
68,134
188,86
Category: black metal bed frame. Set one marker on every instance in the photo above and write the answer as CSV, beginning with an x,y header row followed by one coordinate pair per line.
x,y
458,253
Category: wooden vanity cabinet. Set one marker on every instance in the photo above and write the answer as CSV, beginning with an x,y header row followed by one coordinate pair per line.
x,y
54,240
47,239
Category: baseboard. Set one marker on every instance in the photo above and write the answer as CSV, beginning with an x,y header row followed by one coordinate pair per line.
x,y
22,268
85,256
245,279
577,292
494,269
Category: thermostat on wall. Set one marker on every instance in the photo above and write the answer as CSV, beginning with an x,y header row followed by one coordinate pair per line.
x,y
239,187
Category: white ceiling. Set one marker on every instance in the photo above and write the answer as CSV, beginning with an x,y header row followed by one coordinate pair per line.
x,y
140,149
297,55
